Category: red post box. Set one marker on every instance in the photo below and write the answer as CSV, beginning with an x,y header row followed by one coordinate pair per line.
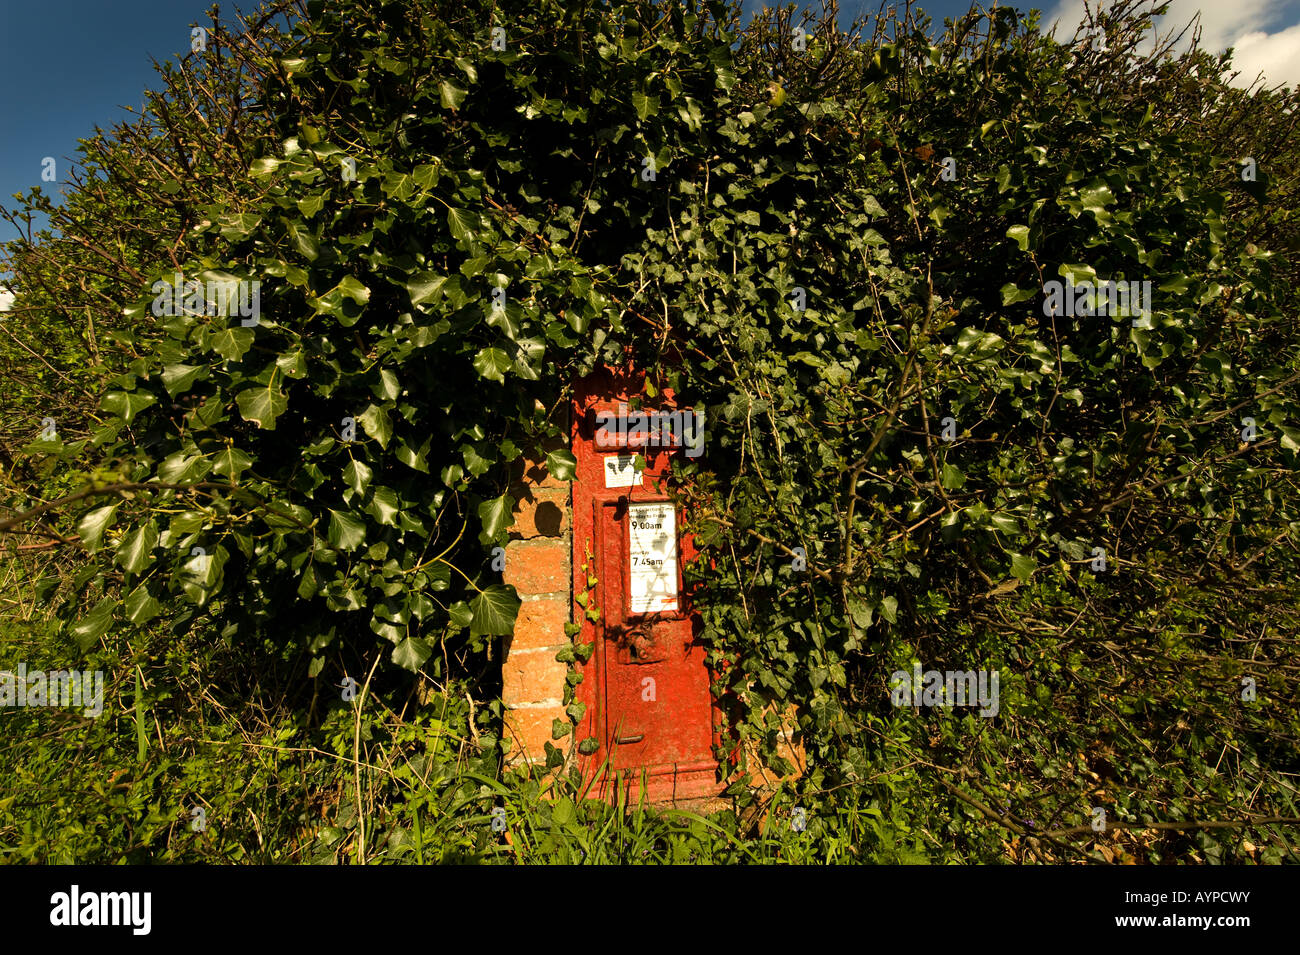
x,y
646,685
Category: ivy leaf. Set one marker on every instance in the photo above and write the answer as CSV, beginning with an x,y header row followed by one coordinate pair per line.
x,y
1097,198
451,95
141,606
357,475
292,363
399,186
467,66
309,206
135,553
1021,234
262,405
424,287
494,609
231,462
491,363
267,164
411,653
460,614
463,223
181,468
1011,294
495,515
306,243
646,106
90,528
562,465
346,532
383,506
377,424
201,574
331,303
1023,566
94,624
185,523
178,378
1077,272
426,176
889,609
861,612
232,343
977,342
530,350
501,318
126,405
725,76
387,387
476,463
1005,523
416,458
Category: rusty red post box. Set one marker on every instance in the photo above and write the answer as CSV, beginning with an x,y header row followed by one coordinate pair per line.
x,y
646,685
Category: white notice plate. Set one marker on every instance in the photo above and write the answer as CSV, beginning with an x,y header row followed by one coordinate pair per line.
x,y
653,557
620,471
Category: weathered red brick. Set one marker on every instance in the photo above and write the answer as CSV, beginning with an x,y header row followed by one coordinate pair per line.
x,y
529,729
532,676
540,624
540,512
538,566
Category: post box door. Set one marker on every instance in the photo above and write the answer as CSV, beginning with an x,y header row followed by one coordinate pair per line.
x,y
657,705
646,687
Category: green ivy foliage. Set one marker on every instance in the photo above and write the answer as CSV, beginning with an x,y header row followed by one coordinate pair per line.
x,y
924,258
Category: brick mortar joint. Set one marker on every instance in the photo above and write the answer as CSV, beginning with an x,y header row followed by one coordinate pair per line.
x,y
550,703
548,490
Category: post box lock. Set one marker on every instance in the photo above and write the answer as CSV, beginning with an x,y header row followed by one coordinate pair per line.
x,y
637,645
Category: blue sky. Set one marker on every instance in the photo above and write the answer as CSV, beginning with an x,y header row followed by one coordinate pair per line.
x,y
69,65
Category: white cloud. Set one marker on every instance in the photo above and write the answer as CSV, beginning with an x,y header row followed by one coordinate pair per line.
x,y
1261,43
1276,55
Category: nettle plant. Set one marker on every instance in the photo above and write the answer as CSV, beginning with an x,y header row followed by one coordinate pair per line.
x,y
840,247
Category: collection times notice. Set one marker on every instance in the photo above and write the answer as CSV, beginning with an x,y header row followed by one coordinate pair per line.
x,y
653,557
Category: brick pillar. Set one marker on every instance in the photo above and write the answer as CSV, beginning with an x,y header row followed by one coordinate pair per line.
x,y
539,565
